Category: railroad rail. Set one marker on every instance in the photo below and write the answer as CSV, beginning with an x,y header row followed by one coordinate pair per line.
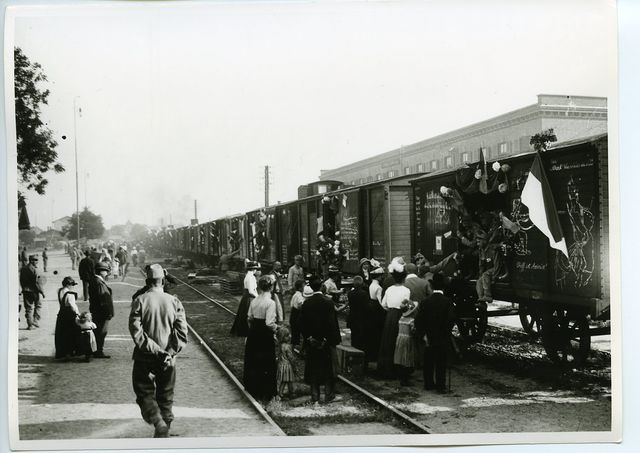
x,y
360,390
257,406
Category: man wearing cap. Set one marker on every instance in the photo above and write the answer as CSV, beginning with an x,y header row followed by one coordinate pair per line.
x,y
296,272
433,324
86,272
158,326
123,257
31,292
100,306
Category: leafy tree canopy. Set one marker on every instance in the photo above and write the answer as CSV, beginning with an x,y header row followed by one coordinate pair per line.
x,y
37,153
91,226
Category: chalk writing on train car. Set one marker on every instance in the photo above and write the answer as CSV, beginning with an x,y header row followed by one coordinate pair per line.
x,y
520,215
578,268
437,208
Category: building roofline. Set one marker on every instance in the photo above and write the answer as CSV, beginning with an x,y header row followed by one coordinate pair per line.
x,y
469,128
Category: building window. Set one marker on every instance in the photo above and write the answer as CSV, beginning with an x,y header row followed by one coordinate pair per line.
x,y
362,180
465,157
434,165
369,178
322,188
448,161
420,168
353,183
502,147
391,173
379,177
407,170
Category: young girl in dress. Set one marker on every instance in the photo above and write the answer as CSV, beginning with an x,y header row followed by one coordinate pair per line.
x,y
88,343
286,362
404,354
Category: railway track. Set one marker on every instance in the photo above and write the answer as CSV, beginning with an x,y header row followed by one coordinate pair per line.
x,y
252,401
380,403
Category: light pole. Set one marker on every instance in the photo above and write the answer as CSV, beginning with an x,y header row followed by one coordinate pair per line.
x,y
75,147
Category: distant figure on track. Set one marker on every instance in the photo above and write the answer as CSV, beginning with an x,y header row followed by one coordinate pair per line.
x,y
45,259
24,259
100,306
260,349
240,328
434,322
158,326
31,291
319,327
74,257
86,271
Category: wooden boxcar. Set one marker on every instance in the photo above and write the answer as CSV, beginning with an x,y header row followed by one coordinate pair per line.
x,y
555,294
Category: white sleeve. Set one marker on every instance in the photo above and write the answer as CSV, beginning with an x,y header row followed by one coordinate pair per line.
x,y
71,299
384,300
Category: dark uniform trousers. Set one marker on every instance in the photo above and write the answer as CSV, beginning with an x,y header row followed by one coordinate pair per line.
x,y
102,327
32,305
85,289
153,387
435,359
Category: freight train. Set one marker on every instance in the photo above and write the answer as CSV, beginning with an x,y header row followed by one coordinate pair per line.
x,y
556,296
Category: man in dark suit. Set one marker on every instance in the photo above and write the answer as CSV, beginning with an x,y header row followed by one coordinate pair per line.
x,y
319,328
100,306
434,321
87,271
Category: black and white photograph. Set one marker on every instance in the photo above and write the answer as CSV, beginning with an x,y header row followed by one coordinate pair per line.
x,y
332,223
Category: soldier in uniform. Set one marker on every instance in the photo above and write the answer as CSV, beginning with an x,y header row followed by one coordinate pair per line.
x,y
100,306
31,292
158,326
86,271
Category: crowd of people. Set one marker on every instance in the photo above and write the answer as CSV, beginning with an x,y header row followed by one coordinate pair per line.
x,y
400,319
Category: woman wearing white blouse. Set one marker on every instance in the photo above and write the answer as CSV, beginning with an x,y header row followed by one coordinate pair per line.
x,y
66,332
392,301
240,328
260,352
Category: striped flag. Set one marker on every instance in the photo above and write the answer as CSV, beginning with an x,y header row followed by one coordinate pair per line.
x,y
537,196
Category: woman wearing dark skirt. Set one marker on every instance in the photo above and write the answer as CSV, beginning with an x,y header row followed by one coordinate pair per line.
x,y
375,314
67,332
394,297
356,320
260,349
240,328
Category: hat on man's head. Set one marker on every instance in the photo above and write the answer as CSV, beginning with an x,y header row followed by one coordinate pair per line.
x,y
155,272
333,269
364,260
33,257
307,291
68,281
438,281
252,265
102,266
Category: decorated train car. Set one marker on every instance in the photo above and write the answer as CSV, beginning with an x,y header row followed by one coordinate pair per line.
x,y
476,216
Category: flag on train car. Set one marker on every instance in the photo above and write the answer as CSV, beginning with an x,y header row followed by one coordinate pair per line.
x,y
538,197
483,186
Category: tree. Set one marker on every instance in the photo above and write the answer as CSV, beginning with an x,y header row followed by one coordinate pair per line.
x,y
37,153
91,226
138,232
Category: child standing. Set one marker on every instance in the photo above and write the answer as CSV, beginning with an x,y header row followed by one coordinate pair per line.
x,y
404,354
286,362
88,343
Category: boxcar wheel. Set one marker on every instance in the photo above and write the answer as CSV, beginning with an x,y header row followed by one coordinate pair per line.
x,y
565,335
531,320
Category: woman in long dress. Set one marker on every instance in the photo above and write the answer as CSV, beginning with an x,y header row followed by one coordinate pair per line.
x,y
374,316
66,333
240,328
392,303
260,369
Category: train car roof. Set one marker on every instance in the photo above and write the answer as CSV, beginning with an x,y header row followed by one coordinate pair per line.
x,y
555,147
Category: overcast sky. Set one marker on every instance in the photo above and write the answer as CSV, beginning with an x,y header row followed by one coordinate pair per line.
x,y
190,102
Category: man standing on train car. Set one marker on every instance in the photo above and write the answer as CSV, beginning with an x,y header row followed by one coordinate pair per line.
x,y
158,326
433,324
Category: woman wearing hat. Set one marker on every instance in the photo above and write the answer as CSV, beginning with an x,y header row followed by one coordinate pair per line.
x,y
375,314
331,283
66,333
240,328
365,267
404,355
394,297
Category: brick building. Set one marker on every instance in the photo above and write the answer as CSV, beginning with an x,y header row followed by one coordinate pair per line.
x,y
571,117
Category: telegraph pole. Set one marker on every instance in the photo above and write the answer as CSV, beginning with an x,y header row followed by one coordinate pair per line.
x,y
75,147
266,185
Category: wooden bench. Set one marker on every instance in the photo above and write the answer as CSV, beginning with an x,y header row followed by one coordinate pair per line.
x,y
350,360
